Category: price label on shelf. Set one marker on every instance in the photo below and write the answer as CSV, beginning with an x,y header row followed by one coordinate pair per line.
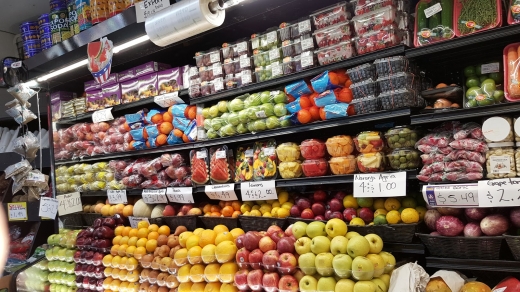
x,y
274,54
255,43
48,207
69,203
102,115
168,99
490,68
15,65
155,196
304,26
148,8
17,211
276,70
254,191
180,195
499,192
214,57
380,185
307,43
224,192
135,220
245,62
271,37
242,46
117,196
455,195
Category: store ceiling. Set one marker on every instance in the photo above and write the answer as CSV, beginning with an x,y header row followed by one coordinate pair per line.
x,y
14,12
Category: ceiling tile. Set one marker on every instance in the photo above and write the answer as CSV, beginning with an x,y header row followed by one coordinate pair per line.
x,y
14,12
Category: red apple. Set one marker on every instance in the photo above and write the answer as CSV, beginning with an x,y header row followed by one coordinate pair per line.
x,y
340,195
288,283
241,279
240,241
319,196
255,259
298,275
270,282
186,208
106,232
266,244
366,214
276,236
285,245
251,240
273,229
327,214
336,214
303,203
318,208
307,214
254,280
295,211
119,219
270,259
110,222
349,214
287,263
168,211
242,258
97,222
288,231
320,218
335,205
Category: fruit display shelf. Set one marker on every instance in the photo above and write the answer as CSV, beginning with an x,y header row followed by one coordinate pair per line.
x,y
467,264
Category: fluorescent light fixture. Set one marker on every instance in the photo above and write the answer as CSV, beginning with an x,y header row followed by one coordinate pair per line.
x,y
131,43
31,83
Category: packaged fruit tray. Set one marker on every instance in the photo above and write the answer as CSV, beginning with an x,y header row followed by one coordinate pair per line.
x,y
295,29
362,72
343,165
333,35
211,87
400,98
236,50
401,136
476,16
378,40
484,247
376,20
403,158
269,72
392,65
398,81
365,6
364,88
330,15
367,105
211,72
336,53
302,62
265,160
238,80
266,41
371,162
208,58
267,58
400,233
437,27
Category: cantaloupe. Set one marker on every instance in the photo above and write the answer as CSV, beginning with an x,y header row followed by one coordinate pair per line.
x,y
158,210
475,287
437,284
141,209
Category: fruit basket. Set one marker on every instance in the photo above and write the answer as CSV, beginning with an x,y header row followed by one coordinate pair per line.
x,y
72,219
254,223
401,233
189,221
485,247
514,244
89,218
211,222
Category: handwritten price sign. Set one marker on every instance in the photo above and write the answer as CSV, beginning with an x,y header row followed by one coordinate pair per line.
x,y
380,185
148,8
102,115
180,195
117,196
48,207
155,196
499,192
17,211
456,196
254,191
135,220
69,203
225,192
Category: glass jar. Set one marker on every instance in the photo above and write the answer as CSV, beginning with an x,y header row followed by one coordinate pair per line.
x,y
343,165
290,169
369,141
498,129
371,162
339,146
401,136
403,158
500,160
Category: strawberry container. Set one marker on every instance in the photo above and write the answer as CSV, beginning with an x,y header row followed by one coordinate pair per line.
x,y
362,72
400,98
371,162
335,53
467,21
375,20
377,40
315,167
211,72
333,35
313,149
366,105
208,58
235,50
398,81
365,6
330,15
364,89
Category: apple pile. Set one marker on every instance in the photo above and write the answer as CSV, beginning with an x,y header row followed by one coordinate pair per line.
x,y
35,278
60,267
328,253
267,261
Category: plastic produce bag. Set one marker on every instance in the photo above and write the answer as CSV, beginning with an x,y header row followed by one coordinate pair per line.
x,y
439,140
21,92
463,165
17,168
465,154
470,144
27,145
432,158
21,114
438,27
468,130
409,277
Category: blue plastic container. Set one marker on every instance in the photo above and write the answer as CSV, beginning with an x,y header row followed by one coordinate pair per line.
x,y
30,36
31,45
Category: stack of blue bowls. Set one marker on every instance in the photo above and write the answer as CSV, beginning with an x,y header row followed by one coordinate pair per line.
x,y
44,27
30,38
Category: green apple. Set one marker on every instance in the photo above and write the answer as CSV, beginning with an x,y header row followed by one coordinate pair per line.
x,y
207,124
280,97
214,112
336,227
307,263
324,264
342,264
381,286
365,286
48,254
233,119
338,245
351,234
358,246
272,122
212,134
299,229
386,279
326,284
344,285
50,239
280,110
69,254
205,112
242,129
320,244
236,105
379,264
224,116
285,122
222,106
362,269
251,113
268,109
61,254
308,283
242,116
389,261
375,241
316,228
260,125
255,99
63,241
265,97
302,245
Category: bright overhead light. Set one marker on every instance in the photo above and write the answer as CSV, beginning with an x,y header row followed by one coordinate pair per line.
x,y
131,43
31,83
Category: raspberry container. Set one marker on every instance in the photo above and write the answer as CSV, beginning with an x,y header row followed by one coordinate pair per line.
x,y
333,35
392,65
364,89
362,72
267,58
377,40
235,50
398,81
330,15
363,7
236,66
400,98
366,105
375,20
212,87
208,58
211,72
315,167
335,53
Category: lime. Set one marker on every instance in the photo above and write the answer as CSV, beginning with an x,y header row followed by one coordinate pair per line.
x,y
481,78
380,220
472,82
473,91
469,71
471,103
478,69
497,77
488,86
498,95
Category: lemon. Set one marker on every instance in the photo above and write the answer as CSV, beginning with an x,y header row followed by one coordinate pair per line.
x,y
283,213
379,203
422,211
283,197
245,208
393,217
380,212
287,205
276,204
392,204
255,207
267,214
255,213
350,202
274,211
357,221
410,215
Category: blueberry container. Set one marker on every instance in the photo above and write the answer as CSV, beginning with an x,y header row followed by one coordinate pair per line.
x,y
364,89
400,98
367,105
398,81
362,72
392,65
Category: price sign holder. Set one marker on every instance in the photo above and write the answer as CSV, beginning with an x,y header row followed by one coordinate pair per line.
x,y
499,192
155,196
451,195
117,197
69,203
135,220
373,185
102,115
180,195
48,207
254,191
17,211
168,99
147,8
224,192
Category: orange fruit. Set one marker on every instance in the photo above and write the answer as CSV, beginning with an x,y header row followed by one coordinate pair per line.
x,y
192,112
235,205
128,210
344,95
130,146
348,83
441,85
164,230
153,235
167,117
153,227
126,230
215,214
139,252
177,133
236,214
312,98
133,233
215,208
222,204
141,242
118,230
116,240
206,209
305,102
161,140
142,233
315,113
126,127
322,114
151,245
157,119
185,139
165,128
228,211
351,111
333,77
220,228
304,116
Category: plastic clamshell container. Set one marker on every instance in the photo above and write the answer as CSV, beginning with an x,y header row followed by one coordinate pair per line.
x,y
343,164
295,29
398,81
401,136
400,98
315,167
291,48
237,49
244,163
330,15
403,158
366,105
362,72
513,15
290,169
375,20
364,89
371,5
392,65
267,58
269,72
298,63
265,41
313,149
427,36
511,86
265,160
371,162
341,145
333,35
288,152
377,40
212,87
211,72
207,58
332,54
369,141
221,164
464,27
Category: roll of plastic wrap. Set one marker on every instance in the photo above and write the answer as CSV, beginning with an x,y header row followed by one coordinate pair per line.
x,y
183,20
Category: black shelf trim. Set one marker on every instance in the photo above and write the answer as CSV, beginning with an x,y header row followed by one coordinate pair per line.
x,y
408,248
473,264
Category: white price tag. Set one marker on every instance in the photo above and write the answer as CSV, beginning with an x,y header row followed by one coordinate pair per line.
x,y
307,61
271,37
269,151
260,115
214,57
249,153
499,192
69,203
48,207
16,64
255,43
276,70
218,84
17,211
102,115
490,68
155,196
217,69
148,8
304,26
307,44
180,195
242,46
221,154
117,196
254,191
458,196
430,11
193,71
36,176
224,192
274,54
246,77
201,154
245,62
168,99
135,220
380,185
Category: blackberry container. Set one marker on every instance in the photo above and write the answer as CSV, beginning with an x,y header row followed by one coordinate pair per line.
x,y
295,29
398,81
362,72
236,49
364,89
400,98
366,105
298,63
236,66
392,65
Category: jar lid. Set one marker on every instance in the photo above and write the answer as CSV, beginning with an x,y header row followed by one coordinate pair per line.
x,y
517,127
501,144
496,128
517,144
